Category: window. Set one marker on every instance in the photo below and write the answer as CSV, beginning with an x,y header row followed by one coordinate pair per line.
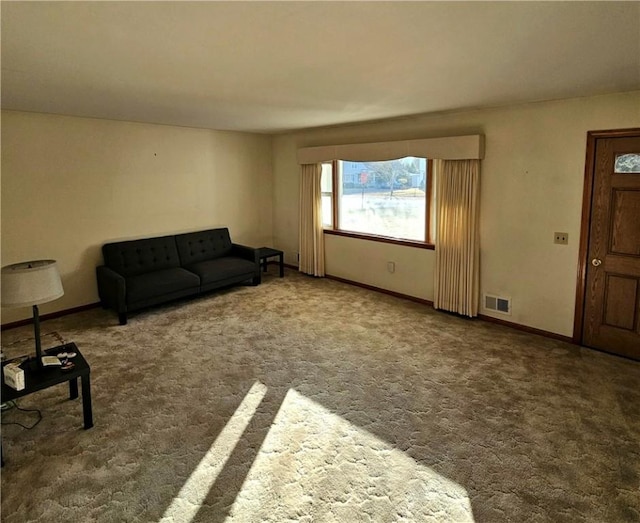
x,y
326,188
386,201
627,163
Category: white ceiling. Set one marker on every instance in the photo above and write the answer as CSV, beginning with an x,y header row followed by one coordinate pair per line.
x,y
276,66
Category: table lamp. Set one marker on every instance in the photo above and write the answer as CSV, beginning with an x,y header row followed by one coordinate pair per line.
x,y
31,283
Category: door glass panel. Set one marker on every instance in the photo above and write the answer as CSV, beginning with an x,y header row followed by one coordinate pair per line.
x,y
627,163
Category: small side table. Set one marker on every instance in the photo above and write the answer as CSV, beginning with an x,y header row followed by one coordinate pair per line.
x,y
36,380
267,252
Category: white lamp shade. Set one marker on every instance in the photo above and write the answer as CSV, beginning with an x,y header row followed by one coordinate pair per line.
x,y
30,283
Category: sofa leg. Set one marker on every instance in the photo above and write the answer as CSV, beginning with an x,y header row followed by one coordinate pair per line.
x,y
256,280
122,318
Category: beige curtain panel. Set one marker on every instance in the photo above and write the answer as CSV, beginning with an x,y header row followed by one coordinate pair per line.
x,y
457,245
311,235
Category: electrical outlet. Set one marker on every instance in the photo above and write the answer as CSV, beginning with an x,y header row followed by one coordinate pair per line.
x,y
391,267
561,238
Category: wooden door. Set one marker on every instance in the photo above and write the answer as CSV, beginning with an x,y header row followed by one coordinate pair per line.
x,y
611,319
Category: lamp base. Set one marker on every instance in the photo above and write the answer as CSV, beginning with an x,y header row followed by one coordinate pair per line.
x,y
31,364
36,330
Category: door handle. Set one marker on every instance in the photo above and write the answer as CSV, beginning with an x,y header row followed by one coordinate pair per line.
x,y
596,262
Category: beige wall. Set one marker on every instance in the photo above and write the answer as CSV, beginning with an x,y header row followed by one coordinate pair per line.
x,y
71,184
531,186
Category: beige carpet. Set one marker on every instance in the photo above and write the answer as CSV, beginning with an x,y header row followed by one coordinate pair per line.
x,y
311,400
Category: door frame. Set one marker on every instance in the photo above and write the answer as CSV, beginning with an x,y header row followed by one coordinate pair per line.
x,y
587,195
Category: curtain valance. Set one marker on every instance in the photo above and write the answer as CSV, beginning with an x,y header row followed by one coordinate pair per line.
x,y
446,148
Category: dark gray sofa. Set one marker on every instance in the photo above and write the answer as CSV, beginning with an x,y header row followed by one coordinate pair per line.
x,y
141,273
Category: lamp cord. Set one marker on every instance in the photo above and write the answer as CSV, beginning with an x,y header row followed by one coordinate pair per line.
x,y
14,404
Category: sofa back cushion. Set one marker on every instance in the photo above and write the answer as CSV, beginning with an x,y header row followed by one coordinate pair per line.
x,y
199,246
135,257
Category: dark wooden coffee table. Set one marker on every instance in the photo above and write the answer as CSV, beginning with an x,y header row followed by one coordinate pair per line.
x,y
36,380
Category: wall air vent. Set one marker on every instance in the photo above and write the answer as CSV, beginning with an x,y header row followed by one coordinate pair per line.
x,y
499,304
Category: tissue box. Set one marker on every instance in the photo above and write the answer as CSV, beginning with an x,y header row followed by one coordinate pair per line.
x,y
13,376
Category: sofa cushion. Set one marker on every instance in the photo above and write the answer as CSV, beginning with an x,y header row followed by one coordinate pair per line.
x,y
195,247
135,257
158,283
211,271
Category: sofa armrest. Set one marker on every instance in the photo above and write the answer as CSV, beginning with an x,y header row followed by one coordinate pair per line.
x,y
111,288
249,253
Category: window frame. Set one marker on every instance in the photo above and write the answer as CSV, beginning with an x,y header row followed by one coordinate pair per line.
x,y
335,229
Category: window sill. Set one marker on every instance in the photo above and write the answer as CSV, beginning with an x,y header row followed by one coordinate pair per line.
x,y
382,239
